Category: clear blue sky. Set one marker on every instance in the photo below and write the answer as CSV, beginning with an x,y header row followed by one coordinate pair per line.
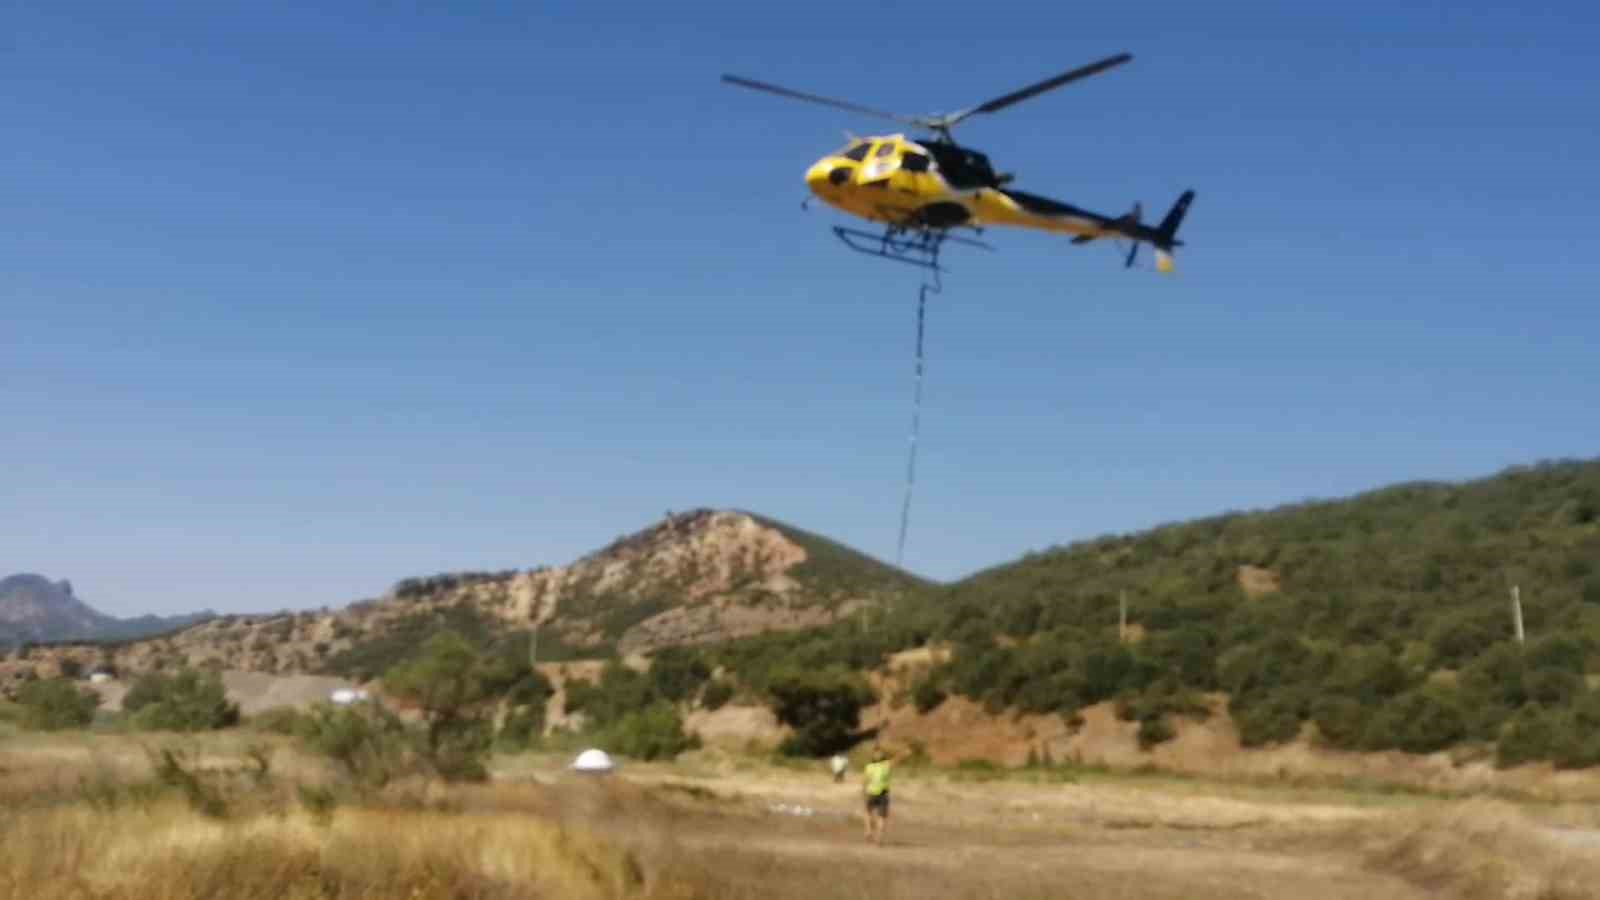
x,y
299,299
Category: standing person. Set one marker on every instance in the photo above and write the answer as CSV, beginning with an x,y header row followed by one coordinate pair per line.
x,y
875,785
839,764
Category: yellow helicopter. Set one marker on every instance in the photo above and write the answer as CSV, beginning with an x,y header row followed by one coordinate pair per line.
x,y
920,190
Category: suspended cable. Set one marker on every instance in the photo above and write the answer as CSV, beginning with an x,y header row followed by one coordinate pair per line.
x,y
934,287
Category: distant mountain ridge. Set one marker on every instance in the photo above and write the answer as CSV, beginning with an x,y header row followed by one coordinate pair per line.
x,y
35,609
696,577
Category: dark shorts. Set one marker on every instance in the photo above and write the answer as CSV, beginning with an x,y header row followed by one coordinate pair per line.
x,y
879,804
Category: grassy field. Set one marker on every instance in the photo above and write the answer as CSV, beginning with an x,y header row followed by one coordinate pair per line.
x,y
238,815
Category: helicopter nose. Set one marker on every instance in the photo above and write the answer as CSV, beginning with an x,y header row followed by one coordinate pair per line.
x,y
817,175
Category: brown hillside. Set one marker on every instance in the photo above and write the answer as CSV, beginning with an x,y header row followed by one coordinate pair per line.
x,y
695,577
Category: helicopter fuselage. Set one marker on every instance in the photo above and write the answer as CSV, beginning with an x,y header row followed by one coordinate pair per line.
x,y
904,183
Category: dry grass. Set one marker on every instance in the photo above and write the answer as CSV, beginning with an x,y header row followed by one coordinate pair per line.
x,y
1483,850
89,817
93,819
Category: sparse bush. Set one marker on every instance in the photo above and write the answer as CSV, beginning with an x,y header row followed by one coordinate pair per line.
x,y
319,801
56,703
175,769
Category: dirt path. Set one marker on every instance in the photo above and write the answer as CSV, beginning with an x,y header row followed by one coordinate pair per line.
x,y
1083,863
1055,840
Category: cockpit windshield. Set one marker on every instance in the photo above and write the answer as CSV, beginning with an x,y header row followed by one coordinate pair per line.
x,y
856,151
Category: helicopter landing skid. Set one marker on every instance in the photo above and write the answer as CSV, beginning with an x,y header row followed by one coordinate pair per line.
x,y
914,246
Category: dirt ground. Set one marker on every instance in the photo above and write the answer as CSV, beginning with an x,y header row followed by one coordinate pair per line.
x,y
1046,834
1080,841
253,691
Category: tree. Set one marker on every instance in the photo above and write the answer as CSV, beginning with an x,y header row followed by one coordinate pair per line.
x,y
56,703
525,711
677,673
823,708
449,682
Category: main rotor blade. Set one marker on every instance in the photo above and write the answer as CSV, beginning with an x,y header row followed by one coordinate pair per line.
x,y
825,101
1049,84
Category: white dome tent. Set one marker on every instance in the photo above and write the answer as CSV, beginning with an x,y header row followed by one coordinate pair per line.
x,y
594,762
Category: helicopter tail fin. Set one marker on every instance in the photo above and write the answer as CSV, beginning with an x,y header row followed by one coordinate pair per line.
x,y
1167,232
1168,229
1165,236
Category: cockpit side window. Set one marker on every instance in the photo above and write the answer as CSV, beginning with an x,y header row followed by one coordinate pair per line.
x,y
885,148
857,152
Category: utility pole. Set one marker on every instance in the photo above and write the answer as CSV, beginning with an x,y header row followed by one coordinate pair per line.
x,y
1122,617
1516,612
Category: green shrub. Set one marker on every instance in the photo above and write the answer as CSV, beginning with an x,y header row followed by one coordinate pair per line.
x,y
1274,718
1154,731
619,691
928,695
1342,721
655,732
1368,675
1423,720
56,703
368,743
521,729
1552,687
1533,734
677,673
185,701
279,720
716,694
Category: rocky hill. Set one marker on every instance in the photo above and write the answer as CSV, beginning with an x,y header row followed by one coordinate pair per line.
x,y
33,608
695,577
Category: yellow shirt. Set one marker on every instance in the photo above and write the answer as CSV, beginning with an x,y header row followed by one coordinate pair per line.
x,y
877,777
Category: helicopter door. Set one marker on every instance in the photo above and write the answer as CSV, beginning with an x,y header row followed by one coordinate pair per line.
x,y
882,163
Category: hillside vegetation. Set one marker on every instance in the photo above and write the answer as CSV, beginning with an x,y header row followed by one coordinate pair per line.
x,y
1379,622
1382,620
